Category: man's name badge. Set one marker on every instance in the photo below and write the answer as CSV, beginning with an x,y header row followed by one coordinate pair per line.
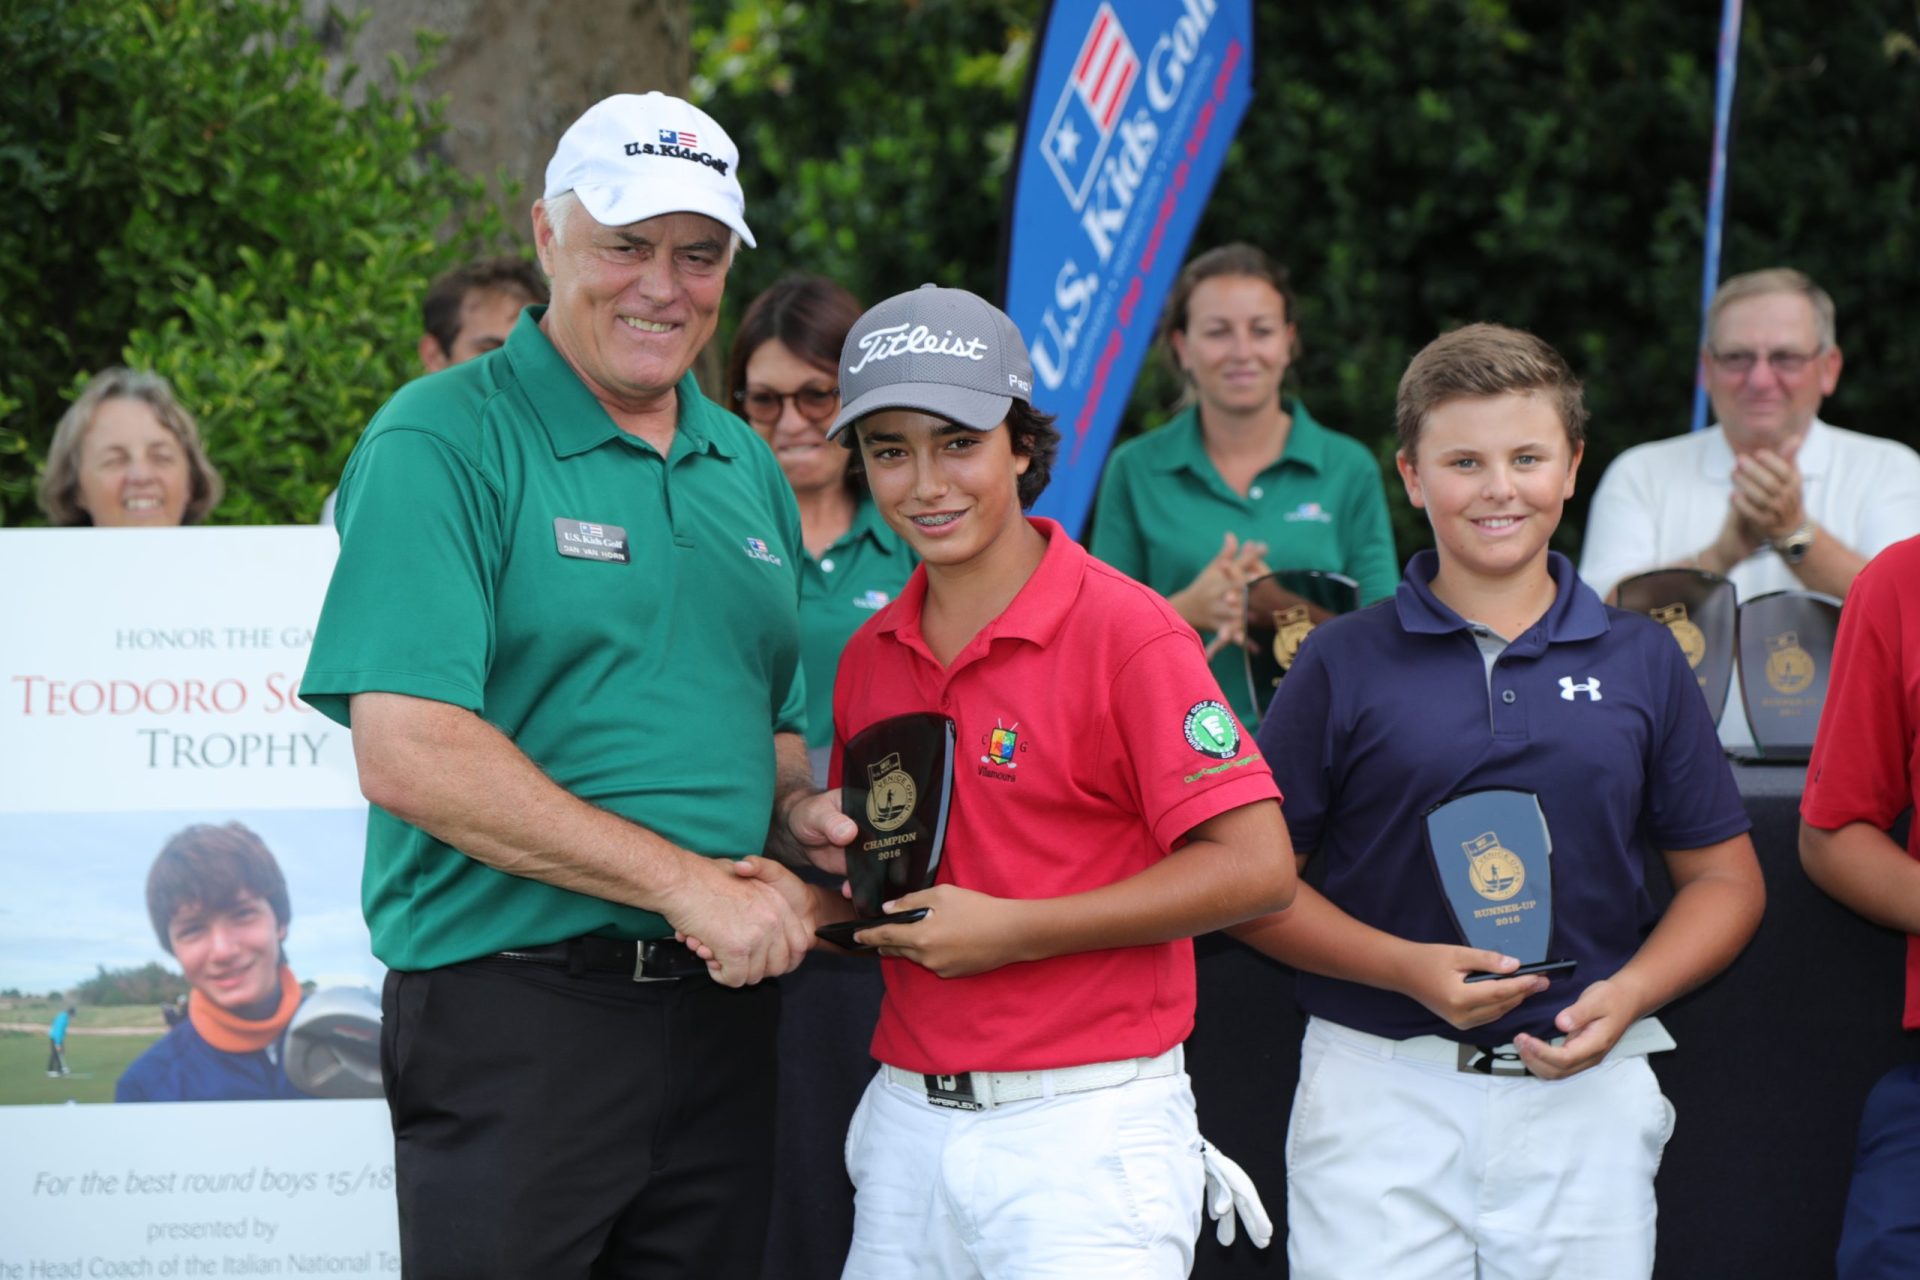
x,y
1493,856
585,540
896,783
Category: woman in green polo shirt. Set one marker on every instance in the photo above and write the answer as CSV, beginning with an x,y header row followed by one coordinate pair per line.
x,y
782,377
1243,480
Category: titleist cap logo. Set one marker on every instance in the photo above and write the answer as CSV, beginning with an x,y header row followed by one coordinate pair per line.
x,y
943,352
899,340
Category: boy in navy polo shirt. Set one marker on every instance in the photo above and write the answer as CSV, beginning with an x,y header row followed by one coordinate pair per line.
x,y
1508,1127
1033,1116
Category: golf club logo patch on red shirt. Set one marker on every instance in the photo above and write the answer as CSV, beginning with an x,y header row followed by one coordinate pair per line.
x,y
1211,730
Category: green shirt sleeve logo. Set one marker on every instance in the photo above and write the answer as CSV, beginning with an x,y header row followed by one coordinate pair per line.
x,y
1211,730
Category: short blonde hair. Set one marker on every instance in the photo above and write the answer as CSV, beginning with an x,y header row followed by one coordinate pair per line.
x,y
60,483
1775,280
1479,361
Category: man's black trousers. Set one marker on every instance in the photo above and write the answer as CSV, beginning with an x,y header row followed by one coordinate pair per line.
x,y
578,1125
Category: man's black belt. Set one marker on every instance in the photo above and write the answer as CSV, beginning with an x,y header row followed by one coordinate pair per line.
x,y
649,960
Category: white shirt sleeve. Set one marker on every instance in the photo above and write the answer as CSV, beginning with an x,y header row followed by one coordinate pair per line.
x,y
1890,509
1622,526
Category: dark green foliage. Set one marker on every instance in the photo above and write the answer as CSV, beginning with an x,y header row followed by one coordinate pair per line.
x,y
148,984
183,188
1417,163
875,135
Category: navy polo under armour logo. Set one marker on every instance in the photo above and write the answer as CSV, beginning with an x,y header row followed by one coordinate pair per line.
x,y
1591,688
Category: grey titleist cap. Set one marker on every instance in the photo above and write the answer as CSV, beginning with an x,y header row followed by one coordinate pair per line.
x,y
941,351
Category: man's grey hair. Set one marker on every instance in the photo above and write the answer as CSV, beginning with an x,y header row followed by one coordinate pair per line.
x,y
560,209
1776,280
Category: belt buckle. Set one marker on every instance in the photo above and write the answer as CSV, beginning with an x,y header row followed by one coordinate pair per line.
x,y
642,952
953,1092
1500,1061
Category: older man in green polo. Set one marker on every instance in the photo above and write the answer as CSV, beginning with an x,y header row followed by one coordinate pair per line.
x,y
563,629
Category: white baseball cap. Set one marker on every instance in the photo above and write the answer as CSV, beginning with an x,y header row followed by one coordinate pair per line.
x,y
639,155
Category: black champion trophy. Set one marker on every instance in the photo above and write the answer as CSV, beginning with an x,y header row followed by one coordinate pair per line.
x,y
896,783
1494,857
1281,609
1786,651
1699,609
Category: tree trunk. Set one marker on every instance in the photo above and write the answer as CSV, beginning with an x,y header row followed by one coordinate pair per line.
x,y
516,75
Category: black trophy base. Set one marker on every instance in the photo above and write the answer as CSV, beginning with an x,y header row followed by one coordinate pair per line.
x,y
1538,966
1800,756
840,932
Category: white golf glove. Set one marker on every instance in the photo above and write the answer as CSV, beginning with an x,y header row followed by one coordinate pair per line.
x,y
1230,1189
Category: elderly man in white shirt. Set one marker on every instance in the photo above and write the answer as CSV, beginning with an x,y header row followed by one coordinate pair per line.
x,y
1773,497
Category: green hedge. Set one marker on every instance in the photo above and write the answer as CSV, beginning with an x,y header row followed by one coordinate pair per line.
x,y
183,187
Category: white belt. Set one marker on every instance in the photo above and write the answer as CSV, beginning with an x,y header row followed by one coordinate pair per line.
x,y
1646,1036
977,1090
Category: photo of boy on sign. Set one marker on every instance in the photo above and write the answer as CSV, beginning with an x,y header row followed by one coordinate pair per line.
x,y
218,903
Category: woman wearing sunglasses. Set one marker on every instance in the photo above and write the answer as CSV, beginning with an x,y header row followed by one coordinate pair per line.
x,y
782,375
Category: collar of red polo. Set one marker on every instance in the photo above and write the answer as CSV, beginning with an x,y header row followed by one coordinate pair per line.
x,y
1035,614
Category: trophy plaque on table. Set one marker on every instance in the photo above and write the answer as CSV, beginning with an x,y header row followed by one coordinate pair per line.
x,y
1282,608
1786,652
1493,855
1699,609
896,783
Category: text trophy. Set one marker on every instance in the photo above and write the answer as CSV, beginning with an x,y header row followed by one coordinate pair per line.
x,y
1786,651
1282,608
1494,857
896,783
1698,609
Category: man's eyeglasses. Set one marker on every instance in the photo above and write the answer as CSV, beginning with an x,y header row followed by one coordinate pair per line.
x,y
816,404
1787,364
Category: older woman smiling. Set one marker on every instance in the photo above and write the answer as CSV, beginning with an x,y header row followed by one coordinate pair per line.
x,y
127,454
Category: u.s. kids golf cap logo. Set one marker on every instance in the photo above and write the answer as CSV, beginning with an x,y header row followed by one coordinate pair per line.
x,y
636,156
946,352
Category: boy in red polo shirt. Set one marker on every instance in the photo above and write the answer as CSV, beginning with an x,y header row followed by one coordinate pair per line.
x,y
1032,1115
1865,771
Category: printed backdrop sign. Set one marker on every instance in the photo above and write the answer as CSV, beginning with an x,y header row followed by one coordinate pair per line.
x,y
147,684
1131,105
156,668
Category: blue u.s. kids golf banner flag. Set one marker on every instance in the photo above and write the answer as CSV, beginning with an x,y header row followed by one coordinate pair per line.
x,y
1130,107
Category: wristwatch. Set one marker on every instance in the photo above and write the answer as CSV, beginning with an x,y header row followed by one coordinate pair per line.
x,y
1793,547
